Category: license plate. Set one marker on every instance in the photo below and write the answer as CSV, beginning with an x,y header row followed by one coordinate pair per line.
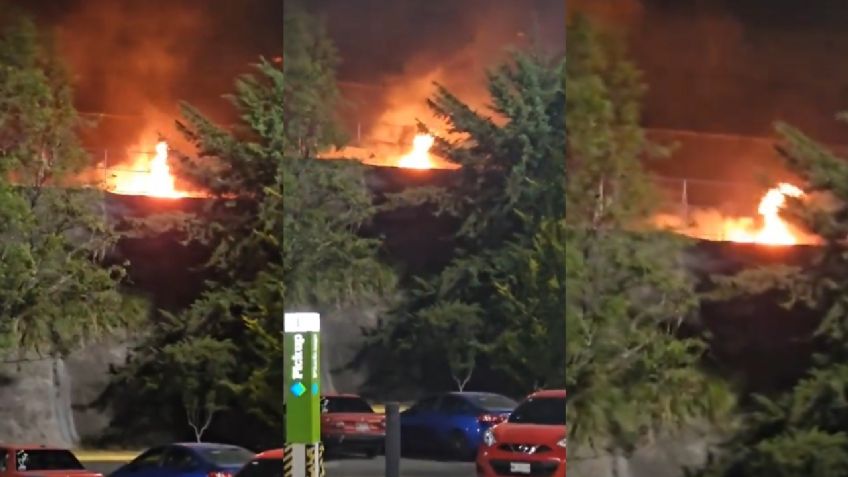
x,y
519,467
362,427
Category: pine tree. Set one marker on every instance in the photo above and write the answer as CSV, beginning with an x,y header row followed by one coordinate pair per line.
x,y
802,431
510,183
283,228
56,292
628,373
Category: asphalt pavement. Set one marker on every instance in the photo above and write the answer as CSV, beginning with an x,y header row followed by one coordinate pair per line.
x,y
353,467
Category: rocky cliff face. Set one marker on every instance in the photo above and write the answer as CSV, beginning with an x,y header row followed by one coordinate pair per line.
x,y
48,401
667,456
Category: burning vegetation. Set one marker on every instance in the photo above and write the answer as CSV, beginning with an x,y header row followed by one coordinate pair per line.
x,y
151,177
419,157
767,229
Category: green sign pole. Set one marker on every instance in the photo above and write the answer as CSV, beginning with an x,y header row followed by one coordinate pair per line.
x,y
302,395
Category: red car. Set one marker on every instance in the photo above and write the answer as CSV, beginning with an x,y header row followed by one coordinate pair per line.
x,y
349,424
531,441
30,460
265,464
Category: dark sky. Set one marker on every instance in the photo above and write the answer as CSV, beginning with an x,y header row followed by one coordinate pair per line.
x,y
734,67
141,57
399,46
379,37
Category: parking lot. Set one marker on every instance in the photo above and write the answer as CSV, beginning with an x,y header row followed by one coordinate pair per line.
x,y
357,468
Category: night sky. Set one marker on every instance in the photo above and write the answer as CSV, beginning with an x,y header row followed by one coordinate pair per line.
x,y
377,38
401,41
736,66
732,68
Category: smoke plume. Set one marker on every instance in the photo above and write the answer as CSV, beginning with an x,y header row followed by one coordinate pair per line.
x,y
136,59
392,52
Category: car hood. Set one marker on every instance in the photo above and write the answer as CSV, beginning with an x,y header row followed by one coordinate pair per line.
x,y
514,433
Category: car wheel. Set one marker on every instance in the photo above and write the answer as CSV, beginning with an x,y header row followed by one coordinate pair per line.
x,y
459,447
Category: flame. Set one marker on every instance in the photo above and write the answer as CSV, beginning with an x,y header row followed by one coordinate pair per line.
x,y
768,229
148,177
419,157
774,230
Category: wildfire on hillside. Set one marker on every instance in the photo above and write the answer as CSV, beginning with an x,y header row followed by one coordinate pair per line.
x,y
419,157
767,229
146,176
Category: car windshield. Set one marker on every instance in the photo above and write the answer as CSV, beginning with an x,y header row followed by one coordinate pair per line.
x,y
46,459
548,411
225,456
491,402
346,404
262,468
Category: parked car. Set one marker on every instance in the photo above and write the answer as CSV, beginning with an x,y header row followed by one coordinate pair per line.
x,y
187,460
24,461
264,464
532,441
452,423
348,423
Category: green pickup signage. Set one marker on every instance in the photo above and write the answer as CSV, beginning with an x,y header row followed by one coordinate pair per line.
x,y
302,382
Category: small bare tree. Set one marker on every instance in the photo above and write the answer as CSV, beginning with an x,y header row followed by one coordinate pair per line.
x,y
455,328
200,409
196,370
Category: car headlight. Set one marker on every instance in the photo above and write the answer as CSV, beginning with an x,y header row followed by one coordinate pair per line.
x,y
561,443
489,438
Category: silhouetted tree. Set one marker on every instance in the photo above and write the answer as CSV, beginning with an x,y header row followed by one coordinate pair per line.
x,y
628,373
55,291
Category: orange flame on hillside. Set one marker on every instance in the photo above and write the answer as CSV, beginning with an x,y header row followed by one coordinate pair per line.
x,y
774,230
151,177
767,229
419,157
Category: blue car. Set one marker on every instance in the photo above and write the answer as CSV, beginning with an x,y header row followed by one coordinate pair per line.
x,y
187,460
452,423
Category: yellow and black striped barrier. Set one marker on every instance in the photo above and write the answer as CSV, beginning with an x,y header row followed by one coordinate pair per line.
x,y
321,459
303,460
288,461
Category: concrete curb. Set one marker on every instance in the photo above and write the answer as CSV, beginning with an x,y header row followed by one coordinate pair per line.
x,y
381,408
105,456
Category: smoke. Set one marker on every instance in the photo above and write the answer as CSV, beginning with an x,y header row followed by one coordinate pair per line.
x,y
393,52
713,224
137,59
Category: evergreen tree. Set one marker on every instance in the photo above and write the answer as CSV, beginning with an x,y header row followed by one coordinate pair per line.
x,y
55,291
283,230
628,373
534,292
802,431
510,183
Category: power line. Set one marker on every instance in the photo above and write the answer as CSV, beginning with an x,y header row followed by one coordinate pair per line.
x,y
110,115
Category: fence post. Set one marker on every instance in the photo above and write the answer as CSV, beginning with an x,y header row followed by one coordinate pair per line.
x,y
393,444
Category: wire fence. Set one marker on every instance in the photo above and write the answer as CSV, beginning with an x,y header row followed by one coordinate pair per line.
x,y
709,209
